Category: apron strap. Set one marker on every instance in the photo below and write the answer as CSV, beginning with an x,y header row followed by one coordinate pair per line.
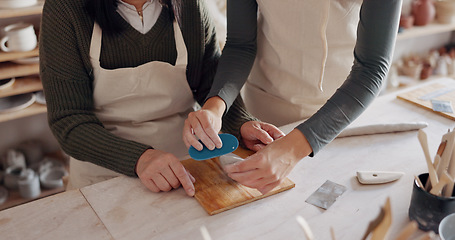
x,y
95,45
182,55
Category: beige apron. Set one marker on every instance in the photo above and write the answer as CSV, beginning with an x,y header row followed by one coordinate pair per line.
x,y
147,104
304,46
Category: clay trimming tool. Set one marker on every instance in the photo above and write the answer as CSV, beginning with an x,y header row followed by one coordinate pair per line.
x,y
306,228
443,181
230,143
205,233
448,153
408,231
431,170
326,195
378,177
379,226
419,183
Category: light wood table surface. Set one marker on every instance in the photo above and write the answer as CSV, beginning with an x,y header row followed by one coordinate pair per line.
x,y
63,216
129,211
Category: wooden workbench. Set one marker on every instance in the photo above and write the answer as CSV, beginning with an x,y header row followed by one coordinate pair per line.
x,y
63,216
127,210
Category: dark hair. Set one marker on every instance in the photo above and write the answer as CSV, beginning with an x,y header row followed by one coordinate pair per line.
x,y
103,12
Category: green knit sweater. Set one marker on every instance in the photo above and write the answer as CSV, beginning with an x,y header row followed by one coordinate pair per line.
x,y
66,73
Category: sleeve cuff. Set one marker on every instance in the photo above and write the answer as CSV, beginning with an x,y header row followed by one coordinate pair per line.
x,y
228,97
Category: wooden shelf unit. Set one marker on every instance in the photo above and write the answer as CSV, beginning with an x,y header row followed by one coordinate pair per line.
x,y
417,31
26,78
33,109
21,12
14,198
22,85
10,56
26,81
10,70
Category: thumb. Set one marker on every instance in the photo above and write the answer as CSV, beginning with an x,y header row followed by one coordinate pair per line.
x,y
272,130
262,136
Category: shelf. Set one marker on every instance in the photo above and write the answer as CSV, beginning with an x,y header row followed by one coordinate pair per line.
x,y
9,56
21,12
9,70
33,109
23,85
27,80
407,82
426,30
14,197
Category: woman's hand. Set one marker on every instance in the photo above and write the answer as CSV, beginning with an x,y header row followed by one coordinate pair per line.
x,y
205,124
162,171
256,135
267,168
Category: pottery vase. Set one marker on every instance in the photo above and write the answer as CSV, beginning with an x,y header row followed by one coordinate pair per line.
x,y
423,12
426,71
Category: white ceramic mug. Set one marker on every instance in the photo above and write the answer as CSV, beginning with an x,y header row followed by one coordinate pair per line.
x,y
447,227
20,37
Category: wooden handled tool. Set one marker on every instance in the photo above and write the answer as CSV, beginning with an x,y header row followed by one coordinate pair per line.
x,y
306,228
380,232
446,153
408,231
419,183
431,170
448,160
443,181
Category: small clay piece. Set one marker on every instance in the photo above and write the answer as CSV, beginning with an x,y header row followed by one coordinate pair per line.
x,y
426,71
406,21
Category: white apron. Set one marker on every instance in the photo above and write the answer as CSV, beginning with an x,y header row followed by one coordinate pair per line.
x,y
147,104
304,46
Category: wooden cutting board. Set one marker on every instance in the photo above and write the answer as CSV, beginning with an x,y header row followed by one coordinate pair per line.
x,y
414,95
216,192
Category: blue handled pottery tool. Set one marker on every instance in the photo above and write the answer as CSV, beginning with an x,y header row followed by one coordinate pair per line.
x,y
230,143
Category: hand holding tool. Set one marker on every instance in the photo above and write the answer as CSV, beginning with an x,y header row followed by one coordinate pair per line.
x,y
230,143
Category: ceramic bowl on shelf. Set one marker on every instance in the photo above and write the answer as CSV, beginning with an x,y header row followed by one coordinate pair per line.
x,y
40,97
30,60
12,176
6,83
17,102
3,195
11,4
445,11
52,177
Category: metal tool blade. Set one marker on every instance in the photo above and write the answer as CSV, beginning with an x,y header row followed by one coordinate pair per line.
x,y
326,195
